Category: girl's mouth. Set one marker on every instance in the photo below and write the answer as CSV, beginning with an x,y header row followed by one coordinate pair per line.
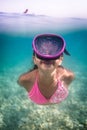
x,y
47,62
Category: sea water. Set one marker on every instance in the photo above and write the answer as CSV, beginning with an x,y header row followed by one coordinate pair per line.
x,y
17,112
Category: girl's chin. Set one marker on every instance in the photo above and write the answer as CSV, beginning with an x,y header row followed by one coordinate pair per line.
x,y
47,67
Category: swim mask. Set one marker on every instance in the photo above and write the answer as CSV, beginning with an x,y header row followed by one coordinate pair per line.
x,y
49,46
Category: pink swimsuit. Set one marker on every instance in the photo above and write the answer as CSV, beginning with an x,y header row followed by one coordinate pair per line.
x,y
59,95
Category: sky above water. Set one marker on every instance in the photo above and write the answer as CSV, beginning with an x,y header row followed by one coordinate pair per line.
x,y
56,8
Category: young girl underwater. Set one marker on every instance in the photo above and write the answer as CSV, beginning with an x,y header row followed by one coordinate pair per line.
x,y
48,81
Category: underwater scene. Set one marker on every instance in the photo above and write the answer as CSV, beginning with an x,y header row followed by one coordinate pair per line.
x,y
17,111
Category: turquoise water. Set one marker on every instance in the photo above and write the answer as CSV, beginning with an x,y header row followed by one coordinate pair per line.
x,y
17,112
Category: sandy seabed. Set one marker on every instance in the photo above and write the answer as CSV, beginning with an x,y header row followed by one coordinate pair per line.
x,y
17,112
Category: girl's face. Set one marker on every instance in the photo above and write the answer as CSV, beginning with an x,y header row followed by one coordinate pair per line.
x,y
47,64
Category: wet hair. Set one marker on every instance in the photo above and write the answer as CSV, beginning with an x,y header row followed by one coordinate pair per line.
x,y
34,65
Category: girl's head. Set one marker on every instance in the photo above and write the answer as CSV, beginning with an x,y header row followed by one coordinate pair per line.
x,y
48,51
49,46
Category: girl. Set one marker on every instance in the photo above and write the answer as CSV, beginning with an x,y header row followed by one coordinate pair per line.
x,y
48,81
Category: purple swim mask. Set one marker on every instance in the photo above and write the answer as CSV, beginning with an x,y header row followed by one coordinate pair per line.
x,y
49,46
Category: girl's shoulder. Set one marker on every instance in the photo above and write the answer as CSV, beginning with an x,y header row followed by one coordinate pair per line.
x,y
65,72
27,79
66,75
